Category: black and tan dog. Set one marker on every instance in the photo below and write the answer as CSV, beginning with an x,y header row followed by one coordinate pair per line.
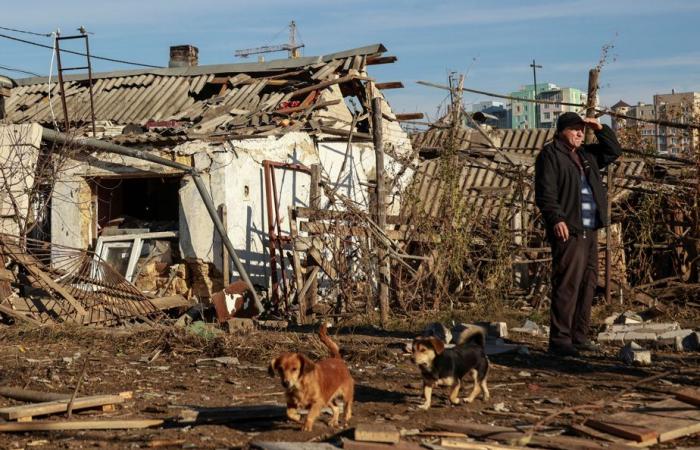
x,y
314,385
441,366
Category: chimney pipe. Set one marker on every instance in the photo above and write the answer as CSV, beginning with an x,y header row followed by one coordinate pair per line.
x,y
183,56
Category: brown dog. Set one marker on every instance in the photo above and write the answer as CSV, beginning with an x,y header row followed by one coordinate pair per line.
x,y
315,385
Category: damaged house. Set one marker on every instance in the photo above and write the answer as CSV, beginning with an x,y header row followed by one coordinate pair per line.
x,y
254,131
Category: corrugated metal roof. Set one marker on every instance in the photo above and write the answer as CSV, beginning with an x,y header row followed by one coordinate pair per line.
x,y
494,184
277,65
236,101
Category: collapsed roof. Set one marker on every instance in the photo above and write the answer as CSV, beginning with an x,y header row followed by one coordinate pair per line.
x,y
249,99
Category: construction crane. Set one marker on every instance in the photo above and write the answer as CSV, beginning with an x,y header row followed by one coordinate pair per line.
x,y
292,47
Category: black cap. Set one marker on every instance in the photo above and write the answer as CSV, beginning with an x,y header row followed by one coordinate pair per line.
x,y
569,119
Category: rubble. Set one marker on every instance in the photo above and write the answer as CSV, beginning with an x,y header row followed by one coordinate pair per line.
x,y
634,354
531,328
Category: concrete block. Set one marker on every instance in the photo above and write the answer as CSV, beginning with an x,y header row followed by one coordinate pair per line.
x,y
240,326
681,340
640,336
646,327
608,337
629,317
634,354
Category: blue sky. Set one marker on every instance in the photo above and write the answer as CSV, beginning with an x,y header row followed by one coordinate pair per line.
x,y
655,42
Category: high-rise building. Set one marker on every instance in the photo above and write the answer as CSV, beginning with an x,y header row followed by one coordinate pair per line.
x,y
677,107
645,111
524,114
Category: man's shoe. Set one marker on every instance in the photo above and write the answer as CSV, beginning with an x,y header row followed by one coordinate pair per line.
x,y
563,350
587,346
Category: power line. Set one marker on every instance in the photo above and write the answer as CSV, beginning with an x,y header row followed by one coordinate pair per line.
x,y
11,69
79,53
666,123
26,32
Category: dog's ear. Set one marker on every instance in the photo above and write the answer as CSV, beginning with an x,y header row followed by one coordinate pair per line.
x,y
306,364
272,368
437,344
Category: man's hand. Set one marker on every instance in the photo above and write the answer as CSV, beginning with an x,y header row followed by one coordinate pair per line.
x,y
593,123
561,231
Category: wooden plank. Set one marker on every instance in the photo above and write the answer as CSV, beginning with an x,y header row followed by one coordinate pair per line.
x,y
169,302
389,85
58,406
471,445
409,116
309,282
267,445
296,264
402,445
507,434
623,429
321,261
28,395
670,418
377,432
80,425
592,432
327,83
374,60
689,395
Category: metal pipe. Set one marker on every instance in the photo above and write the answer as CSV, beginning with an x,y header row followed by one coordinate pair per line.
x,y
62,138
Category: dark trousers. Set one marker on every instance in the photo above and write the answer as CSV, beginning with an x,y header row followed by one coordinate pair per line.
x,y
574,279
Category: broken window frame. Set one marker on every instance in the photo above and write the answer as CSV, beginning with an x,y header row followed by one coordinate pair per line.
x,y
104,243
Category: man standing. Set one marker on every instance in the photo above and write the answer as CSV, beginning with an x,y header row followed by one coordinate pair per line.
x,y
570,194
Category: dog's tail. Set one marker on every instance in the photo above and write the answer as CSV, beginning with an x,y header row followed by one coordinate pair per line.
x,y
472,334
328,342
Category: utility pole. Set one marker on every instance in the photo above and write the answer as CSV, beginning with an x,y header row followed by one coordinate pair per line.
x,y
534,79
591,103
380,192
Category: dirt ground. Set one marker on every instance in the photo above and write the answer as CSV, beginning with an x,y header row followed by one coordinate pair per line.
x,y
159,366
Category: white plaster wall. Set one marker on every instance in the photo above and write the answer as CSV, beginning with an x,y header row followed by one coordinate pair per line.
x,y
235,177
66,217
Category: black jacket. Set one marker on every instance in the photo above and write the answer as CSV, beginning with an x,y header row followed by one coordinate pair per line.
x,y
558,182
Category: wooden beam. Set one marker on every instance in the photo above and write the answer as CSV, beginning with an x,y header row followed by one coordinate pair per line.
x,y
626,431
169,302
689,395
326,84
80,425
323,263
28,395
371,432
356,135
402,445
296,264
389,85
58,406
409,116
374,60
